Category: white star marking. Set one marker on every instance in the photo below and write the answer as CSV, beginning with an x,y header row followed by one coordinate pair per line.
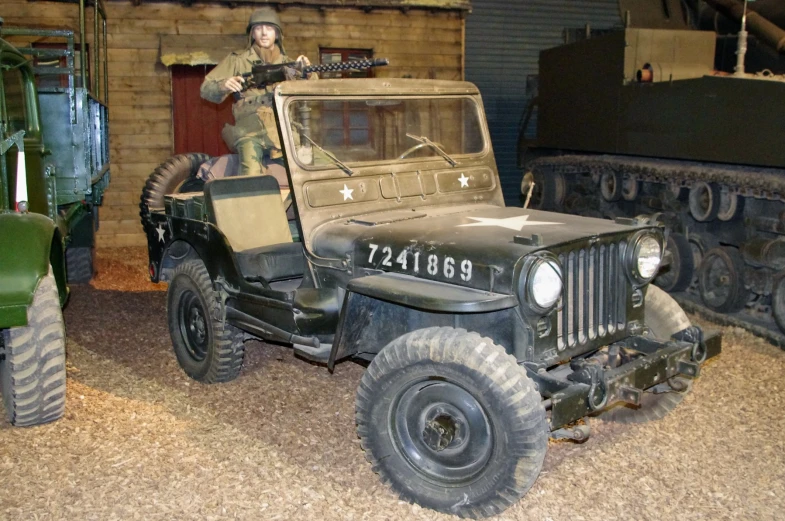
x,y
511,223
464,181
161,231
347,193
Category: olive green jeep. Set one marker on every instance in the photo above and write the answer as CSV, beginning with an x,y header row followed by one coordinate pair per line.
x,y
486,328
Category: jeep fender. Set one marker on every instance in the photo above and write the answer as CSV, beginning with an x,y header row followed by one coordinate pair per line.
x,y
380,308
31,242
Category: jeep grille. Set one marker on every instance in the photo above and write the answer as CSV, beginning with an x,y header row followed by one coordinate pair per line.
x,y
594,299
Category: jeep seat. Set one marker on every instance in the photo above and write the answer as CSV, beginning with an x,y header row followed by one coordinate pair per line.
x,y
250,213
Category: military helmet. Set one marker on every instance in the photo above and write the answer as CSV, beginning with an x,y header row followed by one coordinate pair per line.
x,y
267,16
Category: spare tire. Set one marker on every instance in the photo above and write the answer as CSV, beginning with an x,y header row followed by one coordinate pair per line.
x,y
176,175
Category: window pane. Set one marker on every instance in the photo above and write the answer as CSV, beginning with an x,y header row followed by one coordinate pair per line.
x,y
385,129
15,99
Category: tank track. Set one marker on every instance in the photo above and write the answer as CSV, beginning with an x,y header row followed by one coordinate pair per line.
x,y
754,182
578,184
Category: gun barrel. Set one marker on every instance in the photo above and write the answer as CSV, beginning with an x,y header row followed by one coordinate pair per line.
x,y
345,66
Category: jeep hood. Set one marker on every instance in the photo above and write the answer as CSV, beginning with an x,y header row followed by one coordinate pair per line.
x,y
473,246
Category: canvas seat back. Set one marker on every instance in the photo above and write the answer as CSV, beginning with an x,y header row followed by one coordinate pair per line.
x,y
248,210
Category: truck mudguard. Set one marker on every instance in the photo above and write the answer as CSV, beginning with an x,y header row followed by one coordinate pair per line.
x,y
23,268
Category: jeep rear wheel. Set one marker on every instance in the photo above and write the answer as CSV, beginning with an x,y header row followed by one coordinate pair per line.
x,y
664,317
176,175
209,350
32,368
449,420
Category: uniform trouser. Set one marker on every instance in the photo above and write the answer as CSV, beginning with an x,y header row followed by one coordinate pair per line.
x,y
251,152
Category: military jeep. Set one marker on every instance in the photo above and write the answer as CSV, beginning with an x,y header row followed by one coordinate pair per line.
x,y
486,329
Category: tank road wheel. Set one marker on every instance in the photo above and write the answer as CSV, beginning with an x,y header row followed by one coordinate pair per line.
x,y
207,349
664,317
32,370
550,189
79,263
611,186
450,420
630,187
721,280
731,205
778,301
678,275
704,201
176,175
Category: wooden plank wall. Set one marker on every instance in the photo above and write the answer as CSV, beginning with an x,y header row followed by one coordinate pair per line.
x,y
419,43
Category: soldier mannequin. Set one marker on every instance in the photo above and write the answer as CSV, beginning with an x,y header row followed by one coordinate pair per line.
x,y
255,134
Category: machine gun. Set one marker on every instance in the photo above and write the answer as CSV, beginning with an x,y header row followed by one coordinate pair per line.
x,y
263,75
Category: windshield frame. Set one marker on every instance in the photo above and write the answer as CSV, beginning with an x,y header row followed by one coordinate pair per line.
x,y
289,134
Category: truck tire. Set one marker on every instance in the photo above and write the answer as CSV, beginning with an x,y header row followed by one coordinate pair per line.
x,y
664,317
176,175
79,262
32,371
208,349
449,420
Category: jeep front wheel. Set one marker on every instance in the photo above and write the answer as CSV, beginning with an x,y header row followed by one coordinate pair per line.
x,y
664,317
450,420
32,366
209,350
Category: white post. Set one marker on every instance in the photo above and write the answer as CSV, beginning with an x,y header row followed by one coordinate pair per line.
x,y
21,183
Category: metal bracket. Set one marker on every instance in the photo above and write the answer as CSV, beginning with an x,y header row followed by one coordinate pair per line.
x,y
689,369
631,395
578,433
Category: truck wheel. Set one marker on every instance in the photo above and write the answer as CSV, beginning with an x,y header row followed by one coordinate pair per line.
x,y
79,264
664,317
679,274
32,370
449,420
176,175
209,350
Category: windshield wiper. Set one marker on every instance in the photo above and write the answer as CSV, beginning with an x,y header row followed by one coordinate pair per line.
x,y
425,141
329,155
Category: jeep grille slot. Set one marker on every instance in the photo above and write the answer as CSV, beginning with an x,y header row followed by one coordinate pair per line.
x,y
594,298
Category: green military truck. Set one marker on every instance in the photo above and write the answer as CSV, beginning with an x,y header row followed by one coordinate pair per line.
x,y
486,329
53,170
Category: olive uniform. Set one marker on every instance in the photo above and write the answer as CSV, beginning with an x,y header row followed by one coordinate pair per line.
x,y
255,131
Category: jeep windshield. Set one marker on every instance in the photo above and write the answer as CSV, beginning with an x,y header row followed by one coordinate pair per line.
x,y
382,129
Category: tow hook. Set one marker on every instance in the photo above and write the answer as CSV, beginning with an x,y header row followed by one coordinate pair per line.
x,y
577,433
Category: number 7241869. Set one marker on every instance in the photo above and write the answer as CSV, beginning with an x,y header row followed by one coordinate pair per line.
x,y
411,261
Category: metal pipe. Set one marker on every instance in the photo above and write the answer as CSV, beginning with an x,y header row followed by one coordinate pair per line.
x,y
82,49
757,24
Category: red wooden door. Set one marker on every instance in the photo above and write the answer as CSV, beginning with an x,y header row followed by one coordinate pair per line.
x,y
197,122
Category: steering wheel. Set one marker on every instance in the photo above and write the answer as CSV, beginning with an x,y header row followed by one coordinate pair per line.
x,y
417,147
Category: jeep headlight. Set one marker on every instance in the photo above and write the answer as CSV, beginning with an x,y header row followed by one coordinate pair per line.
x,y
543,284
646,257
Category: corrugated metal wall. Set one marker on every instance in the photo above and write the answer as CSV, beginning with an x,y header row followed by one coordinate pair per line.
x,y
503,43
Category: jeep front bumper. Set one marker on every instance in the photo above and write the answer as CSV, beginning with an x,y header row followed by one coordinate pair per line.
x,y
591,387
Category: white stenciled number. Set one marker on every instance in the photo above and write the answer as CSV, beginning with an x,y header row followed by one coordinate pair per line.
x,y
466,270
401,259
417,262
374,247
388,252
433,265
449,267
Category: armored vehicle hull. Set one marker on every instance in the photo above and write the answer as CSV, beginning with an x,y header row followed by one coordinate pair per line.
x,y
638,122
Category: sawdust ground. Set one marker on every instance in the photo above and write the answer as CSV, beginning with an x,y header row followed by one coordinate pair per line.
x,y
140,440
